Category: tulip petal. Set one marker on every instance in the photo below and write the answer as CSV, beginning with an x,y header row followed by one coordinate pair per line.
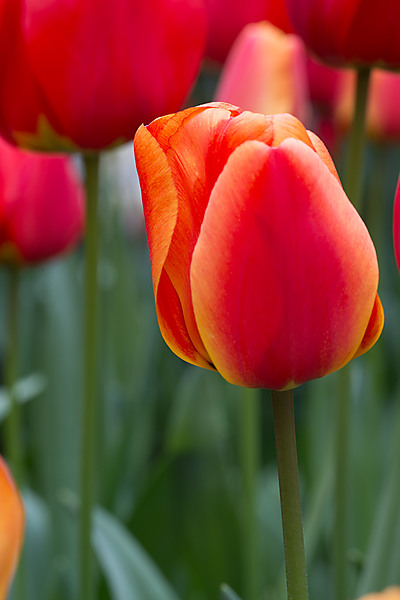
x,y
284,274
12,523
374,328
160,201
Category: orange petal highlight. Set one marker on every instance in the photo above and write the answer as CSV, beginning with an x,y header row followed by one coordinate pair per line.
x,y
12,524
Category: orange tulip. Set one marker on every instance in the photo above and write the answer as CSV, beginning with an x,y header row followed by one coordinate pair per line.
x,y
262,269
390,593
12,524
266,72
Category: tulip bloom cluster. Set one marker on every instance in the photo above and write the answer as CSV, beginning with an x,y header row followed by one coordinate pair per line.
x,y
83,74
41,205
12,524
262,269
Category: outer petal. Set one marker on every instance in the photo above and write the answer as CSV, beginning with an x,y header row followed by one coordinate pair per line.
x,y
105,67
284,274
12,523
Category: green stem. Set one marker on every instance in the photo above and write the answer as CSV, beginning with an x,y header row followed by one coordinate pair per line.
x,y
250,463
292,524
342,480
13,432
88,447
353,177
353,184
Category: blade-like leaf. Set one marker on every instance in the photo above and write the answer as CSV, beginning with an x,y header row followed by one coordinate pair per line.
x,y
25,389
227,593
129,571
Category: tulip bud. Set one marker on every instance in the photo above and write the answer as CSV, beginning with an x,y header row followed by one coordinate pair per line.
x,y
83,74
266,72
41,205
262,268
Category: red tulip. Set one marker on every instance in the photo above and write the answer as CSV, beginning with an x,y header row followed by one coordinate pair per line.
x,y
12,525
85,73
262,269
266,72
349,31
228,17
41,205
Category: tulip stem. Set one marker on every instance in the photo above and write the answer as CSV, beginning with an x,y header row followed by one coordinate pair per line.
x,y
250,457
353,179
341,488
14,442
292,524
88,446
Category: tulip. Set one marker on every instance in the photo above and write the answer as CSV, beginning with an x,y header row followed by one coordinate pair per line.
x,y
349,31
266,72
383,116
262,269
83,74
41,205
12,524
390,593
227,18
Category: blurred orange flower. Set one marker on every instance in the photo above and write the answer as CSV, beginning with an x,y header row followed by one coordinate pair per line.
x,y
390,593
12,525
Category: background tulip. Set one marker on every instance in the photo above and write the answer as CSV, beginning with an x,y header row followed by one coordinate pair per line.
x,y
266,72
390,593
41,205
85,73
383,115
348,31
227,19
12,523
261,267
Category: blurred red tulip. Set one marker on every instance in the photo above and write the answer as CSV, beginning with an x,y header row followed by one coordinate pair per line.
x,y
266,72
83,74
383,115
41,205
349,31
12,525
228,17
262,269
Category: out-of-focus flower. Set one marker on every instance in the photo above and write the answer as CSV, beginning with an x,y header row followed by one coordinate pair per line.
x,y
349,31
228,17
12,525
41,205
390,593
262,269
383,115
266,72
83,74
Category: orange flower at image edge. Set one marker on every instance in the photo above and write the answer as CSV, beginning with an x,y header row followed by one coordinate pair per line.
x,y
12,523
262,269
390,593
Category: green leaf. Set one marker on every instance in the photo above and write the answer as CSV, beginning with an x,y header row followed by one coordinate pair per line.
x,y
25,389
129,571
227,593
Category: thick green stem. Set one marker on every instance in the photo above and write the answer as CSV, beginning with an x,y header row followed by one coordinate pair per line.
x,y
353,179
341,487
89,421
250,464
292,524
13,423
